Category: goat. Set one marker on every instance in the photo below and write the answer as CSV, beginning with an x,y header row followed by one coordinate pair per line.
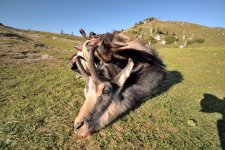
x,y
127,74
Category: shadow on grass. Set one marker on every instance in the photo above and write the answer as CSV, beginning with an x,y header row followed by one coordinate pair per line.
x,y
173,78
212,104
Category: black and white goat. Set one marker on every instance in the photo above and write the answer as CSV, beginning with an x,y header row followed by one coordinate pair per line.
x,y
126,74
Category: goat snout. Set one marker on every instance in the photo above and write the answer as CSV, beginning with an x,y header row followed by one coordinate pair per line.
x,y
78,125
83,128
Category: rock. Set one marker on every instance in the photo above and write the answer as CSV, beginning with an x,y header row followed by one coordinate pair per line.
x,y
185,43
23,56
46,56
151,31
192,35
157,37
184,37
163,42
191,122
181,46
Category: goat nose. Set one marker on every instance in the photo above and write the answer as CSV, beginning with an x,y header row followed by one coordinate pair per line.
x,y
78,125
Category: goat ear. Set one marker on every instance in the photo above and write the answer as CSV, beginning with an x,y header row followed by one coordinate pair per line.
x,y
131,45
121,78
120,39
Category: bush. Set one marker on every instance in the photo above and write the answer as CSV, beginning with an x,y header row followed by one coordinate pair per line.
x,y
153,40
139,23
170,40
134,32
150,19
146,40
199,40
160,32
153,30
189,42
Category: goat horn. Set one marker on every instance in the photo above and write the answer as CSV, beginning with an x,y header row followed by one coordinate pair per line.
x,y
92,35
82,32
81,68
91,64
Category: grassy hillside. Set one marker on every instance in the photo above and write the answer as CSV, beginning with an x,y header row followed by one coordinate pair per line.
x,y
40,96
213,37
53,43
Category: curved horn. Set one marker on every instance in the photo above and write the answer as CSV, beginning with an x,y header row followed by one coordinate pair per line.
x,y
81,68
91,64
82,32
92,35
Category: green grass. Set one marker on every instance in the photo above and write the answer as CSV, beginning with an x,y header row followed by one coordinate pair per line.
x,y
39,99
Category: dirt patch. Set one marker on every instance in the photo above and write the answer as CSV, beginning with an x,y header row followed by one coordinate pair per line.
x,y
40,45
46,56
33,56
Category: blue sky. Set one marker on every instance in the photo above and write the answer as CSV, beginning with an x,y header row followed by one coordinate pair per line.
x,y
103,16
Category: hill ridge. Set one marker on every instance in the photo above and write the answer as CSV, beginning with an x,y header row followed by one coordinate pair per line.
x,y
160,33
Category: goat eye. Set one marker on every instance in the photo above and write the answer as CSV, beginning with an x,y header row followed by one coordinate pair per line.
x,y
107,91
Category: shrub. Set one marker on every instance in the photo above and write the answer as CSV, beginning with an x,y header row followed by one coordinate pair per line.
x,y
153,40
170,40
160,32
150,19
139,23
146,40
199,40
153,30
134,32
189,42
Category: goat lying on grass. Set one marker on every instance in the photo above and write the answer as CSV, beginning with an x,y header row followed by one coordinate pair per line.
x,y
119,74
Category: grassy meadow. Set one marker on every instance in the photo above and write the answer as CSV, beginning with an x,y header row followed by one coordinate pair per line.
x,y
40,97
